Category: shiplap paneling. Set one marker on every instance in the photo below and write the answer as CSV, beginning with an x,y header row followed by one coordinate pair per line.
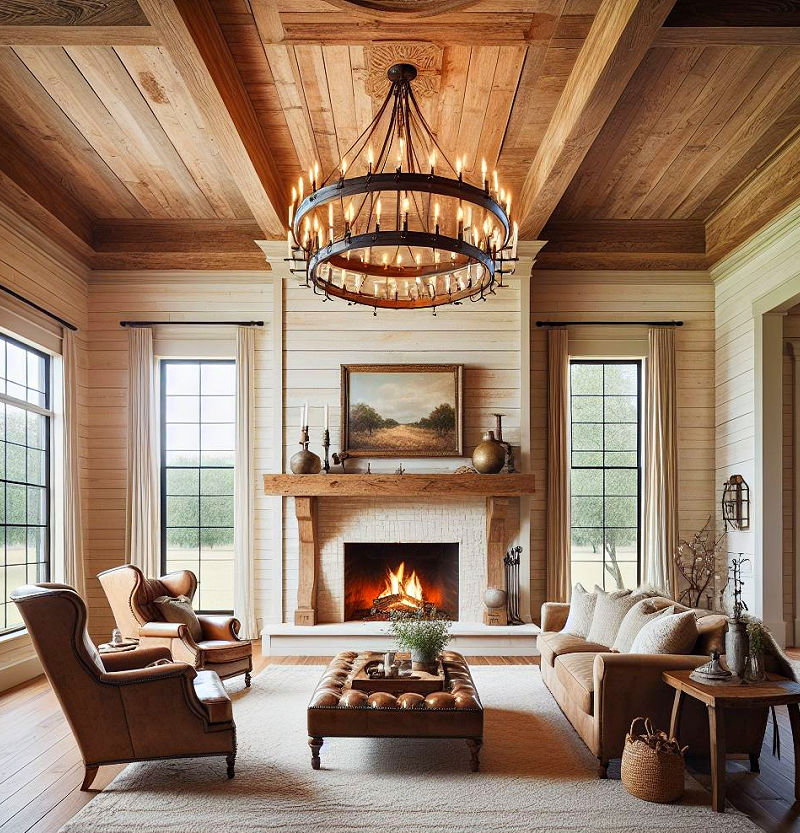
x,y
40,270
629,296
319,337
169,297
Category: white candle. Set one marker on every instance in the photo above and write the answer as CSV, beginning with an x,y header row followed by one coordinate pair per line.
x,y
305,415
326,416
302,416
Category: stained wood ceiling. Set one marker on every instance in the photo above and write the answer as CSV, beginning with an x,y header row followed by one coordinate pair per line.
x,y
632,132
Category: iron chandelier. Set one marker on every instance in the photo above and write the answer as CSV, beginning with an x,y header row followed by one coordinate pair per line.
x,y
386,230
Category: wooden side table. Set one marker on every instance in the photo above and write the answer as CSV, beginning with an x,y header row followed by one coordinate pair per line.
x,y
776,691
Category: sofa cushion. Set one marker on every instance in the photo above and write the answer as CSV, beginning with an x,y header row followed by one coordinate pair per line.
x,y
576,673
581,610
636,618
554,644
676,634
609,611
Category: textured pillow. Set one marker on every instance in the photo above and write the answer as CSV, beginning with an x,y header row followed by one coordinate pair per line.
x,y
179,609
609,611
675,634
635,619
581,609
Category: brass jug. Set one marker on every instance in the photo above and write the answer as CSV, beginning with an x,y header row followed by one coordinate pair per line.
x,y
490,456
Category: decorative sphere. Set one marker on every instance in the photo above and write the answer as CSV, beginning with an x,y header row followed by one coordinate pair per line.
x,y
494,597
305,462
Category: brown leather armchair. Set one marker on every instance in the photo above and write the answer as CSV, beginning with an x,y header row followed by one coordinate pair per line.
x,y
119,709
131,595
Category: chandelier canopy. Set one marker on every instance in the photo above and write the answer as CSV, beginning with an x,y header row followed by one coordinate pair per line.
x,y
396,225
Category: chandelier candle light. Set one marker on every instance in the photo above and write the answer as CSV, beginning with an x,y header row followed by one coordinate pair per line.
x,y
396,233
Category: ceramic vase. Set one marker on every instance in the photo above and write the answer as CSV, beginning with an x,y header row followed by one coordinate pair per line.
x,y
736,646
423,662
305,462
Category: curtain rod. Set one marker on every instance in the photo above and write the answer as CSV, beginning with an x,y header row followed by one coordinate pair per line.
x,y
36,306
192,323
609,323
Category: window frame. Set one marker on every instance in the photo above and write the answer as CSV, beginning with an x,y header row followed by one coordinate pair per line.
x,y
48,413
638,363
163,467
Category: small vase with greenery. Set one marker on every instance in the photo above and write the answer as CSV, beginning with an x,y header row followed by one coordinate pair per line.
x,y
422,632
756,637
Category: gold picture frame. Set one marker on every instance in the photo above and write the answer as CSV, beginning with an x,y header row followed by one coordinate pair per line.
x,y
402,410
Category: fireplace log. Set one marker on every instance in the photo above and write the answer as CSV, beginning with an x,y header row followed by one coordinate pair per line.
x,y
395,601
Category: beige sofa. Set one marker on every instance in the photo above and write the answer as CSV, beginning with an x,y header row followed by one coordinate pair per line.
x,y
601,692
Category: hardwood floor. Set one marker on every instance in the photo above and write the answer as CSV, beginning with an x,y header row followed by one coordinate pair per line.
x,y
41,770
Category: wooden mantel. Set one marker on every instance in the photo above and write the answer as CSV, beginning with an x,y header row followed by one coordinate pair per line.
x,y
398,485
306,488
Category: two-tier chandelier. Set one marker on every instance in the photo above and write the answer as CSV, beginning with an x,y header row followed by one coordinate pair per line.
x,y
384,229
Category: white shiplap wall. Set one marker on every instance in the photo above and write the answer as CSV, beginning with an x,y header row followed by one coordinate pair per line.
x,y
168,296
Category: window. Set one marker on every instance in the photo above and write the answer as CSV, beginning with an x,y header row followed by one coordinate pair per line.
x,y
24,472
605,399
198,437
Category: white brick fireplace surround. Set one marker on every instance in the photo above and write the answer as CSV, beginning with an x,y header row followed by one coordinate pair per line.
x,y
434,518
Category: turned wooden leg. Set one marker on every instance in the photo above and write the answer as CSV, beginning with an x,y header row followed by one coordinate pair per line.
x,y
475,751
716,732
754,765
675,720
247,679
602,768
89,775
315,744
230,760
794,720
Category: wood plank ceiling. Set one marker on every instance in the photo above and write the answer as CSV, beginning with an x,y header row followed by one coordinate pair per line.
x,y
169,131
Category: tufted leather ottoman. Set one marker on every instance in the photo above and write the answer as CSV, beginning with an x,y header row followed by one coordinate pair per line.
x,y
338,710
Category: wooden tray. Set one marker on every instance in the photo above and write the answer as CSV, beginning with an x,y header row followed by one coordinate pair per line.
x,y
419,682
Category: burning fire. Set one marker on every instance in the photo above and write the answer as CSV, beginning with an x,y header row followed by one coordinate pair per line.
x,y
406,590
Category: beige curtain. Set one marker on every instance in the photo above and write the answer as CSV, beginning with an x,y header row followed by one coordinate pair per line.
x,y
142,515
244,485
661,462
73,526
558,466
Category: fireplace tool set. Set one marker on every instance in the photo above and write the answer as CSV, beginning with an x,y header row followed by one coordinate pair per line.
x,y
511,562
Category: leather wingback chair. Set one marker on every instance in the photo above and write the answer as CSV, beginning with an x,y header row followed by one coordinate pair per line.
x,y
131,595
119,709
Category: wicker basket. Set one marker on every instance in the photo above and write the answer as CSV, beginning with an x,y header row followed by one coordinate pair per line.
x,y
652,764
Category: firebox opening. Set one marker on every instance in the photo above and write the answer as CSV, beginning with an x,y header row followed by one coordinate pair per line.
x,y
379,578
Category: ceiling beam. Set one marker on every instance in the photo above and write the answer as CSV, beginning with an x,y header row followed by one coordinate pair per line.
x,y
194,40
770,189
78,36
677,36
28,187
619,37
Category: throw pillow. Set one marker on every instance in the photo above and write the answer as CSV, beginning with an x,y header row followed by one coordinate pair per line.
x,y
581,609
635,619
179,609
675,634
609,611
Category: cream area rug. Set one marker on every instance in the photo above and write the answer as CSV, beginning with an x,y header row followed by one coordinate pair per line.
x,y
536,775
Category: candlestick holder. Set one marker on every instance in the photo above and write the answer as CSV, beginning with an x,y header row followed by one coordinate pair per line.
x,y
326,444
305,461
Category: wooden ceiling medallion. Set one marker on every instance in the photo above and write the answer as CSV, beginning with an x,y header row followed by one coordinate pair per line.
x,y
425,57
400,9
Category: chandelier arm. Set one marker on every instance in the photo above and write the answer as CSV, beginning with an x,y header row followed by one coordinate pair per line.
x,y
430,133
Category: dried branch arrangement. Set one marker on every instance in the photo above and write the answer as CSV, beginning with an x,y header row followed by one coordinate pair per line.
x,y
659,741
696,562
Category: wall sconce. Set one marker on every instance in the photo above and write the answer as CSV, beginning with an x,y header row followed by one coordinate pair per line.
x,y
736,503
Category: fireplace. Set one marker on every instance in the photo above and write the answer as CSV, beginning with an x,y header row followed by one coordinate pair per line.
x,y
381,577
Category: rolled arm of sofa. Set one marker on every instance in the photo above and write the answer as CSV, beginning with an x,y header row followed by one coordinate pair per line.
x,y
138,658
554,615
631,685
219,626
164,630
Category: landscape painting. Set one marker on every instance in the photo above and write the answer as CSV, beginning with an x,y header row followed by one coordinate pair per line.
x,y
401,410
